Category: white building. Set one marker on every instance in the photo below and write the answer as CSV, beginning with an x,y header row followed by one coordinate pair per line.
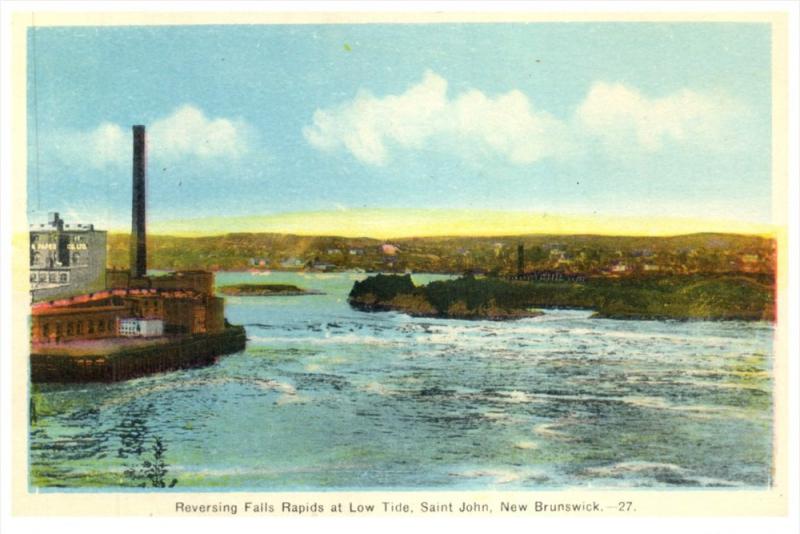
x,y
136,327
292,263
66,260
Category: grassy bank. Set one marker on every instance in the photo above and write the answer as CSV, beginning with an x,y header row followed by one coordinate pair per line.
x,y
707,297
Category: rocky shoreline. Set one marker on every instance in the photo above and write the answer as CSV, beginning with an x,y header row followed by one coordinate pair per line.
x,y
681,298
411,306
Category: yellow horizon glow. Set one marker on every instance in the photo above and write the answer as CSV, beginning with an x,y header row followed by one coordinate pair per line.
x,y
406,223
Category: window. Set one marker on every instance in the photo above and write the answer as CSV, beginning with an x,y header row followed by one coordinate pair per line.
x,y
70,328
34,277
79,328
91,327
46,330
111,325
58,329
62,278
101,326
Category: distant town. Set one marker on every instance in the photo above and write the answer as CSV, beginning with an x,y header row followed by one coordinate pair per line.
x,y
543,256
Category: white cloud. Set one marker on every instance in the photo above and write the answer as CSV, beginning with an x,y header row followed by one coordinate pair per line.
x,y
424,117
472,124
625,120
186,133
100,147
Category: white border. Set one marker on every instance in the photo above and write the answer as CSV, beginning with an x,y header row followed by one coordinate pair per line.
x,y
790,524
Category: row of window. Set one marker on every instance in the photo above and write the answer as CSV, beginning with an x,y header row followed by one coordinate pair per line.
x,y
129,328
77,328
52,277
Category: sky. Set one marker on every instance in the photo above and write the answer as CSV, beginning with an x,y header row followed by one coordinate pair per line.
x,y
268,125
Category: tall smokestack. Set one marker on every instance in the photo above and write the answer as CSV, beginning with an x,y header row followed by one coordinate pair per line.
x,y
520,259
138,249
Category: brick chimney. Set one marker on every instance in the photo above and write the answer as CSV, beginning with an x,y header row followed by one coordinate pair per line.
x,y
138,244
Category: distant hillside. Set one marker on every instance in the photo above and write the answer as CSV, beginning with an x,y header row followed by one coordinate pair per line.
x,y
588,254
231,251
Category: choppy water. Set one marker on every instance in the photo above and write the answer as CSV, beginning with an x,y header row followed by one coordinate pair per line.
x,y
326,397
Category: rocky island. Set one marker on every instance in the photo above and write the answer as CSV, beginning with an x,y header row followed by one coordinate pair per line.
x,y
452,299
690,297
266,290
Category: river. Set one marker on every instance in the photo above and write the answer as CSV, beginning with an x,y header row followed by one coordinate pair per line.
x,y
329,398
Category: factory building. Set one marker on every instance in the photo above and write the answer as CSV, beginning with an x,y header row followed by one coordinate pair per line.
x,y
111,314
65,259
200,281
77,299
59,324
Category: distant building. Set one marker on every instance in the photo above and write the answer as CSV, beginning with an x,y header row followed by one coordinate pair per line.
x,y
135,327
749,263
549,276
356,251
292,263
389,249
66,259
322,266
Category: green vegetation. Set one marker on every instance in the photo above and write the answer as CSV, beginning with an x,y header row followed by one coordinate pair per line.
x,y
585,254
152,472
663,297
383,287
263,290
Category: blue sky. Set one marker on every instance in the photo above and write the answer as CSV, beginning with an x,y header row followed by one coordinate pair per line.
x,y
565,118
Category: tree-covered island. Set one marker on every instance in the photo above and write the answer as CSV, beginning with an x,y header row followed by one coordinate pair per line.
x,y
464,298
664,297
265,290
